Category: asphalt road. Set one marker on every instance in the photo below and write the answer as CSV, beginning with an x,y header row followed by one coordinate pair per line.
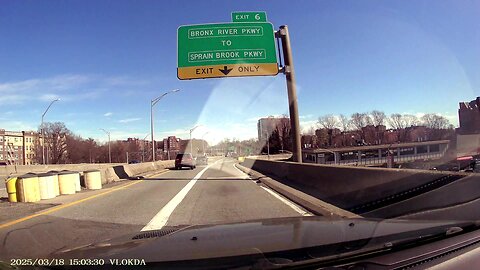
x,y
217,193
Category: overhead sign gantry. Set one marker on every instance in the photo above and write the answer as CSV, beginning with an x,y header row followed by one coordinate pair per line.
x,y
245,47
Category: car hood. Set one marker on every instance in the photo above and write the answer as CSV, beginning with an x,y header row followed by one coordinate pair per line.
x,y
257,237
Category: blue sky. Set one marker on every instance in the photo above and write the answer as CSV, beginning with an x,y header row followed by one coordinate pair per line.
x,y
106,60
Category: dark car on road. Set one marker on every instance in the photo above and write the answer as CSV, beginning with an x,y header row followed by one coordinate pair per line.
x,y
202,160
185,160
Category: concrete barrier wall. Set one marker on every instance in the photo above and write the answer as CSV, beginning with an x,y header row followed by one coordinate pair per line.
x,y
109,172
344,186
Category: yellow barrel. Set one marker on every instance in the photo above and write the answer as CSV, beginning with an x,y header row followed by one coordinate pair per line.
x,y
66,182
47,188
93,179
11,190
56,189
241,159
28,189
55,182
78,186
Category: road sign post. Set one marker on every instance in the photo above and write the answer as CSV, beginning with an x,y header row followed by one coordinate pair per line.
x,y
226,50
292,93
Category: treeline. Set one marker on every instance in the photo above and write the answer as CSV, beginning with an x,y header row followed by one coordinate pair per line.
x,y
357,121
62,146
375,127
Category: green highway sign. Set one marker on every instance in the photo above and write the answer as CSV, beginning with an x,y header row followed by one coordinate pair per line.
x,y
249,16
226,50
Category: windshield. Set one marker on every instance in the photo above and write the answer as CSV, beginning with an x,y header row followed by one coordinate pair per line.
x,y
119,118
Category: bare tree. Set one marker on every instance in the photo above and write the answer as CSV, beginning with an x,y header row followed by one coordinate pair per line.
x,y
378,117
396,121
345,122
435,121
56,141
410,120
328,121
439,126
358,121
76,150
367,119
285,136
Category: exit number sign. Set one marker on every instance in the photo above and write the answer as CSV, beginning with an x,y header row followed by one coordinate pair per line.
x,y
249,17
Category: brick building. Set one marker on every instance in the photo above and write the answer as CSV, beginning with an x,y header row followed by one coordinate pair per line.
x,y
469,117
18,147
171,147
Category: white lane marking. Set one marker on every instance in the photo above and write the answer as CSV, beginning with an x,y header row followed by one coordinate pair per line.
x,y
246,176
161,218
289,203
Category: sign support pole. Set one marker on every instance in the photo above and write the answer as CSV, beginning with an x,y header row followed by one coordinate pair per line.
x,y
292,92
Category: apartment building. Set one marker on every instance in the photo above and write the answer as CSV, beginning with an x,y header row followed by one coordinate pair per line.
x,y
17,147
12,145
30,139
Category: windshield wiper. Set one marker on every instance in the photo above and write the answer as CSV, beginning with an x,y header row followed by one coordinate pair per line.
x,y
378,246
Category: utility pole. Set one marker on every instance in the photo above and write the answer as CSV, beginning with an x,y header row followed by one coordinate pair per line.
x,y
289,71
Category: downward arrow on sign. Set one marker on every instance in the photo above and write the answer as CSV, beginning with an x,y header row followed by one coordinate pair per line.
x,y
225,71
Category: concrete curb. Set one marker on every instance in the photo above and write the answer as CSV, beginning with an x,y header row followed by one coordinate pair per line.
x,y
310,203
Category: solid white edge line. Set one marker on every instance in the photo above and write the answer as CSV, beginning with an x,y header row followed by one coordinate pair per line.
x,y
287,202
278,196
161,218
245,175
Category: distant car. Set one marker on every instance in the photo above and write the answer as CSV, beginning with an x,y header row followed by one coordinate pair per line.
x,y
133,162
185,160
202,160
3,163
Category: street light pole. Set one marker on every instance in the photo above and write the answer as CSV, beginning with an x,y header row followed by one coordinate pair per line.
x,y
191,142
42,133
152,103
109,149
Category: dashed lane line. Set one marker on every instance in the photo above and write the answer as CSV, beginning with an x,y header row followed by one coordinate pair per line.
x,y
161,218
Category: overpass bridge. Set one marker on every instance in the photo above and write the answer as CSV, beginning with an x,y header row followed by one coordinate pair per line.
x,y
377,155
